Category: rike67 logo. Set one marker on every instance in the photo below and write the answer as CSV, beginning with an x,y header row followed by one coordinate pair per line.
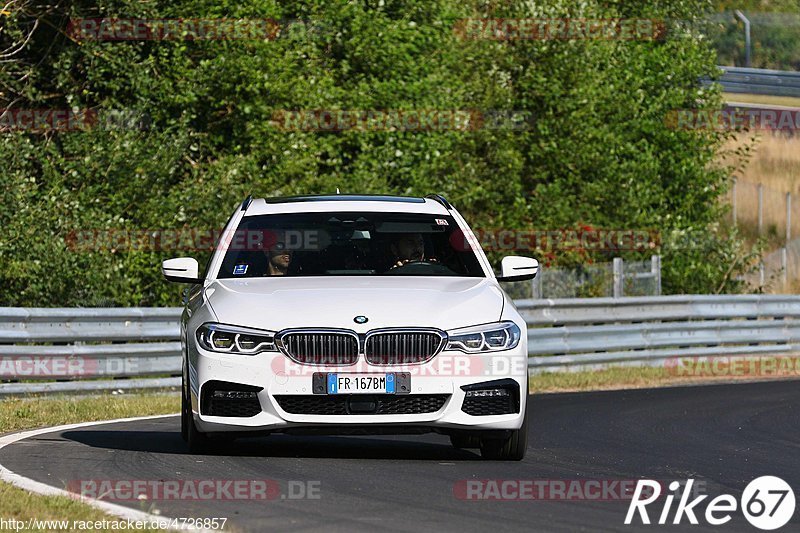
x,y
767,502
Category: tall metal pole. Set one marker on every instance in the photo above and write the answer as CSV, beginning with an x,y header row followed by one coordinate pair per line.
x,y
784,269
746,21
788,217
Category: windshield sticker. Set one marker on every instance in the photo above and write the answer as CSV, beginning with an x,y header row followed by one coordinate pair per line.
x,y
441,222
240,270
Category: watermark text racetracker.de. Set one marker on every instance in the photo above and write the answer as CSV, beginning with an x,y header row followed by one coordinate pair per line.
x,y
410,120
765,366
489,239
560,29
177,29
114,524
601,490
46,120
585,239
735,118
66,366
195,489
443,365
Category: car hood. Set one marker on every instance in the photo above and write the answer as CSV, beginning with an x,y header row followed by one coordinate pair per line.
x,y
333,302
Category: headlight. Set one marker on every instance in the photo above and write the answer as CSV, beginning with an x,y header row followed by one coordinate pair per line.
x,y
486,338
234,339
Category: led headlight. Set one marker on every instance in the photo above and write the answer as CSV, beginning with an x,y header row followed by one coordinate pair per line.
x,y
234,339
486,338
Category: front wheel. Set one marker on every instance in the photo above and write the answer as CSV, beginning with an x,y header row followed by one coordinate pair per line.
x,y
186,409
511,448
464,442
197,440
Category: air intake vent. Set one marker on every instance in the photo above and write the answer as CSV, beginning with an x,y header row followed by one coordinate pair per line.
x,y
499,397
220,398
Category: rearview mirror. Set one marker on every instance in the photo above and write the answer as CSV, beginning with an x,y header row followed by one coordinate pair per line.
x,y
518,268
181,270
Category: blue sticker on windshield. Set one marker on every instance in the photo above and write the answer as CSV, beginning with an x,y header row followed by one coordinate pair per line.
x,y
240,270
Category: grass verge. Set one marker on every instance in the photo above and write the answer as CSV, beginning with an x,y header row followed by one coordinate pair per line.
x,y
607,379
682,372
765,99
29,413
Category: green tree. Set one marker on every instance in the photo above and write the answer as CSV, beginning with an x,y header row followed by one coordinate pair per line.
x,y
598,150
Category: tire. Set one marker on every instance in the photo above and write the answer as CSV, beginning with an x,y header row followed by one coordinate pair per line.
x,y
198,442
186,410
463,442
509,449
185,417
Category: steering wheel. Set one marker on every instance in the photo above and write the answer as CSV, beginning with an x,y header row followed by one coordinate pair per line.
x,y
421,268
410,262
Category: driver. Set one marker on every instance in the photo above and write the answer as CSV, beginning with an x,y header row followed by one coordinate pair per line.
x,y
278,257
409,248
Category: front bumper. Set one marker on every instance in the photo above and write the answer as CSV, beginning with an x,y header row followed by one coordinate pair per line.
x,y
274,376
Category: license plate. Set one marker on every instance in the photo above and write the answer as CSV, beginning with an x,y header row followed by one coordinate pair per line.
x,y
361,384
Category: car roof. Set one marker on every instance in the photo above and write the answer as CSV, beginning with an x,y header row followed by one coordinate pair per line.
x,y
347,202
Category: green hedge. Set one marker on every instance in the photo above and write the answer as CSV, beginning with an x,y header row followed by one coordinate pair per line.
x,y
598,152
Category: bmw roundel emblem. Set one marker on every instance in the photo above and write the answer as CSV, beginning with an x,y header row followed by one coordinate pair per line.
x,y
360,319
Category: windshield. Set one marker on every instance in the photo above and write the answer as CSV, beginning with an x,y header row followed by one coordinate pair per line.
x,y
349,244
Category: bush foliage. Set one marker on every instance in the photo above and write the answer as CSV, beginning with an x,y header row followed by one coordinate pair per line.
x,y
598,150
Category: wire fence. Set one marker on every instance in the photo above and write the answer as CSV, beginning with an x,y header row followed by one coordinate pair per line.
x,y
765,212
615,279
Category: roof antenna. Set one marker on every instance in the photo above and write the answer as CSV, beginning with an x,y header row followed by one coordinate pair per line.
x,y
337,190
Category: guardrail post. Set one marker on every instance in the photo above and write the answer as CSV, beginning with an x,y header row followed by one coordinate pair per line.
x,y
618,276
784,272
536,285
655,269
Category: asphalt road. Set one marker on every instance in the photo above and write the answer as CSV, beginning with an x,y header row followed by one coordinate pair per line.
x,y
723,436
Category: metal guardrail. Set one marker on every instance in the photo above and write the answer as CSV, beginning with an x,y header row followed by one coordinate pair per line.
x,y
65,350
587,333
68,350
760,81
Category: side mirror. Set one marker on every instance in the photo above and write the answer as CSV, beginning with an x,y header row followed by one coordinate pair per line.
x,y
181,270
518,268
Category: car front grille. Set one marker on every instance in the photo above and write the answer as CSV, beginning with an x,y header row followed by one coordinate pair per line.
x,y
321,348
359,404
402,347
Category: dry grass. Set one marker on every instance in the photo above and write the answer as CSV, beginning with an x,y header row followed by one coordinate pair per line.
x,y
28,413
761,99
775,163
686,371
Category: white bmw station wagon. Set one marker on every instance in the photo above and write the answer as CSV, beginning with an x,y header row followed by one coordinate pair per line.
x,y
353,314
